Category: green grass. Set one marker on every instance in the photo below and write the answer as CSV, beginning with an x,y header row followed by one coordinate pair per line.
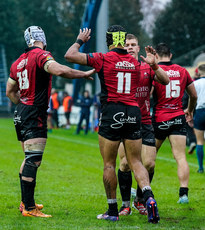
x,y
69,184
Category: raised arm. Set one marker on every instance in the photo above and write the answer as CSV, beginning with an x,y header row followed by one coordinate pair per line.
x,y
57,69
73,54
161,75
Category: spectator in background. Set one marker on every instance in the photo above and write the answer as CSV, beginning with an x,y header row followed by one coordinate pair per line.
x,y
199,116
67,106
50,112
55,103
191,138
85,103
97,105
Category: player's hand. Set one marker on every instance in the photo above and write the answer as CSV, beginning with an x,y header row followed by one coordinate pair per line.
x,y
89,73
84,34
189,117
150,55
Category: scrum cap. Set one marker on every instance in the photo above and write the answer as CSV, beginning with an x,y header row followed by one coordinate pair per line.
x,y
116,35
34,33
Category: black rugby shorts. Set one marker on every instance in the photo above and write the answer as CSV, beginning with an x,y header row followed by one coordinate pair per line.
x,y
30,122
175,126
148,137
119,121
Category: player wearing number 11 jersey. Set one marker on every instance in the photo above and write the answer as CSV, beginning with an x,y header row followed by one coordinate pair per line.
x,y
168,116
119,75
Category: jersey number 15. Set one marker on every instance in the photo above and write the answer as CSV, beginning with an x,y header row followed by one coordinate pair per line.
x,y
173,89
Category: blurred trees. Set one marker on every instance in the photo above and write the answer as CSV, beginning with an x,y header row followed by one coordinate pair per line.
x,y
181,25
59,19
128,14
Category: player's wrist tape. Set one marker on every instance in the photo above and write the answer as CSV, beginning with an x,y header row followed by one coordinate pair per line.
x,y
154,66
80,42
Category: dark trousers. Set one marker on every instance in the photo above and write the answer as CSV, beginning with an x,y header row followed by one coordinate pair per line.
x,y
82,117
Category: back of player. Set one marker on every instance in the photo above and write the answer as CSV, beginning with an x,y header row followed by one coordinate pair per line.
x,y
168,116
33,81
168,99
123,68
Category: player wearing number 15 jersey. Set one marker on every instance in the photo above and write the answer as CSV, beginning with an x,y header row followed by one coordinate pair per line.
x,y
168,116
119,75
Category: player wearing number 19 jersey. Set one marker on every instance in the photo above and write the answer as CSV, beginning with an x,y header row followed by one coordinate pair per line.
x,y
168,116
29,87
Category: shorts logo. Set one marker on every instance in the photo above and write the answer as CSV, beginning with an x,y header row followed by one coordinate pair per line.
x,y
17,119
168,124
121,119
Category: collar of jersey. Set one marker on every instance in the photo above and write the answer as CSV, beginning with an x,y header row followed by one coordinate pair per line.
x,y
31,48
165,63
118,50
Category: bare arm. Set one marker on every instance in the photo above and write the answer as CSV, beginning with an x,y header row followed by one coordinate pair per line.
x,y
12,91
57,69
191,91
73,54
161,75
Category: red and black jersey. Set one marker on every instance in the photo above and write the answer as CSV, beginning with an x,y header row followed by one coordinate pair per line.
x,y
33,81
143,91
168,98
119,75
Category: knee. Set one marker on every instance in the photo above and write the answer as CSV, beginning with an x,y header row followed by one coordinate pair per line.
x,y
124,167
149,165
32,162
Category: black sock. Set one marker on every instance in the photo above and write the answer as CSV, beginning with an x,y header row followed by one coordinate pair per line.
x,y
147,194
183,191
28,194
125,184
20,177
113,211
139,193
151,176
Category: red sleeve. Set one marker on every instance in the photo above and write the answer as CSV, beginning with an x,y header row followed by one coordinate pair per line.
x,y
95,60
43,57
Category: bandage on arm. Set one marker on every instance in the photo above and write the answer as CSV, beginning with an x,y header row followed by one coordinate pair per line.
x,y
46,65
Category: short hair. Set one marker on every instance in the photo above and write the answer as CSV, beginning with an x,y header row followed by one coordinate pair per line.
x,y
131,36
201,69
115,35
163,50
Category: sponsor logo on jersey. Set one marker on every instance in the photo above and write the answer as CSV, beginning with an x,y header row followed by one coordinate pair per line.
x,y
146,75
120,119
173,73
22,63
124,65
142,91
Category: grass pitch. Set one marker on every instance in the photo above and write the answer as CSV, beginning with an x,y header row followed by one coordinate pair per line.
x,y
69,184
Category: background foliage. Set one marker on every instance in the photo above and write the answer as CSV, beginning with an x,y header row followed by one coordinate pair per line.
x,y
181,25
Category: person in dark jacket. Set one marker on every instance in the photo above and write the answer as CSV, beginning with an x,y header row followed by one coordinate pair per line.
x,y
85,103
